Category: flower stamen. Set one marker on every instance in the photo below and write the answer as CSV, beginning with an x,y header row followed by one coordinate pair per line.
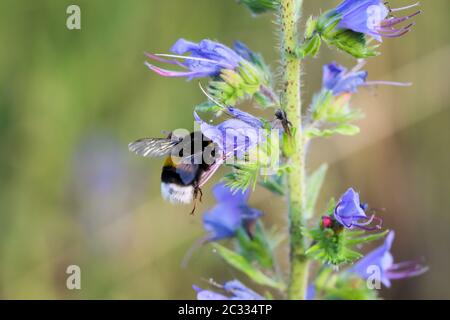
x,y
405,7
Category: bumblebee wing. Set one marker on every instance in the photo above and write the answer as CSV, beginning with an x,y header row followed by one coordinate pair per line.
x,y
206,175
152,147
207,154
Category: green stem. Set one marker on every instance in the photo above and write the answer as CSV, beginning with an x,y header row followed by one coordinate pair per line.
x,y
290,11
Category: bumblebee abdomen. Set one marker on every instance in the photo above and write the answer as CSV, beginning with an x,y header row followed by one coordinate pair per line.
x,y
178,182
176,193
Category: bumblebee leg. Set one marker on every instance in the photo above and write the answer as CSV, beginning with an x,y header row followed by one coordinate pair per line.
x,y
197,191
193,209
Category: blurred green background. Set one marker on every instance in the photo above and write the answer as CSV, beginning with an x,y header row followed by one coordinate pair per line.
x,y
71,193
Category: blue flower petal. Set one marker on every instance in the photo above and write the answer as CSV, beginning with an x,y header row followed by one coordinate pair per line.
x,y
233,137
242,50
210,295
338,80
379,257
362,16
182,46
234,288
246,117
206,59
348,210
223,193
222,221
241,292
229,214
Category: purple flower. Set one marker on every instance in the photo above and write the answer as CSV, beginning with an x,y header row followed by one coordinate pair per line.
x,y
242,50
245,117
229,214
372,17
382,258
337,79
351,213
235,136
207,58
248,55
234,289
310,292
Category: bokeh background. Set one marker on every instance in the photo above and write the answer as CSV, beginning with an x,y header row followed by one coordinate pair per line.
x,y
71,193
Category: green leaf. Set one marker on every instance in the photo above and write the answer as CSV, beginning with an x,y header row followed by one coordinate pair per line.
x,y
314,47
346,288
327,23
354,43
310,28
243,177
371,237
314,184
310,48
256,248
260,6
330,206
330,247
207,106
263,100
343,129
288,145
344,116
347,129
320,105
326,108
274,184
349,41
240,263
336,245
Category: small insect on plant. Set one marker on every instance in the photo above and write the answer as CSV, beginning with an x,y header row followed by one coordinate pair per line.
x,y
281,116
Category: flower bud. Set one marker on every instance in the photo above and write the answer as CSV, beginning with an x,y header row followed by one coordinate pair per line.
x,y
327,222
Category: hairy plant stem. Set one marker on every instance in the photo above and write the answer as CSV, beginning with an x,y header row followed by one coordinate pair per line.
x,y
289,15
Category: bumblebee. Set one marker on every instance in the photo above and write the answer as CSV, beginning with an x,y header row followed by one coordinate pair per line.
x,y
190,162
